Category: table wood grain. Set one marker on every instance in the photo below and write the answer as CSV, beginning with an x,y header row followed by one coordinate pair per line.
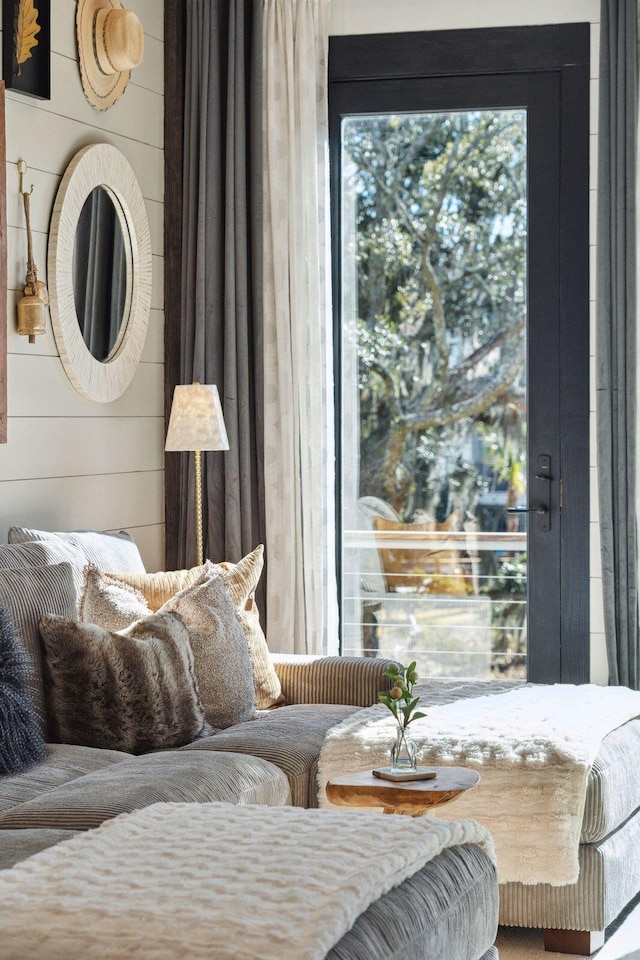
x,y
413,798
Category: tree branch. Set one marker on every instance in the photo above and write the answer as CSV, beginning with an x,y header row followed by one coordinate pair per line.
x,y
480,396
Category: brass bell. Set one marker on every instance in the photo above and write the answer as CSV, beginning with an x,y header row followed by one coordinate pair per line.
x,y
32,315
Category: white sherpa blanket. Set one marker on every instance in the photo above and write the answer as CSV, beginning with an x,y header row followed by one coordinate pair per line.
x,y
533,746
213,882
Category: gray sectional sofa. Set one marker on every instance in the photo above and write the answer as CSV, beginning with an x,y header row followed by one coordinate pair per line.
x,y
448,910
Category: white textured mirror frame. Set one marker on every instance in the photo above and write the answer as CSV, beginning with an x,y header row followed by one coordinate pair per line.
x,y
99,165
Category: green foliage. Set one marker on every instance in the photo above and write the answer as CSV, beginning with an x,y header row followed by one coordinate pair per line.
x,y
399,699
439,202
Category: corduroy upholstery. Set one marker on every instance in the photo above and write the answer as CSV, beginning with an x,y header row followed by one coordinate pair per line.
x,y
64,762
55,592
446,911
351,680
289,737
613,787
609,876
168,777
609,879
109,550
17,845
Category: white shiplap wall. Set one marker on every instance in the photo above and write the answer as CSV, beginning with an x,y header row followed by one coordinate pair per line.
x,y
70,463
350,17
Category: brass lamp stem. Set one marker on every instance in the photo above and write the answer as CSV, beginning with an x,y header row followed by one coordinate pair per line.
x,y
199,547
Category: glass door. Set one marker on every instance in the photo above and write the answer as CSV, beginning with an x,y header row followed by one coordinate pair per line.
x,y
459,232
434,392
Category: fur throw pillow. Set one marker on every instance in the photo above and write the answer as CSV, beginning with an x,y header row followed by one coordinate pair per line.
x,y
105,599
133,691
221,655
21,740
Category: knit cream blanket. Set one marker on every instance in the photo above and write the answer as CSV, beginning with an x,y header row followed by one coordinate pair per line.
x,y
213,882
533,746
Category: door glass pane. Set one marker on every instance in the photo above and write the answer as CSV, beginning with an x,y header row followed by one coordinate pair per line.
x,y
434,423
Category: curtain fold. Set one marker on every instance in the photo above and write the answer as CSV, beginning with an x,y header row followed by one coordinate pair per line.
x,y
616,336
221,336
298,411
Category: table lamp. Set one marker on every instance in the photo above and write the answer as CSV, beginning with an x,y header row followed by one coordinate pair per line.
x,y
196,423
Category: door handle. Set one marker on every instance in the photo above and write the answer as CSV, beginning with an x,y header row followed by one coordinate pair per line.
x,y
543,486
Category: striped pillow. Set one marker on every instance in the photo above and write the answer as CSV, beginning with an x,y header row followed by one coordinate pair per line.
x,y
109,551
43,553
28,594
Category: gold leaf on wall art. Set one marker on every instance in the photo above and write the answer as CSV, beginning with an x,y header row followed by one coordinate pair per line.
x,y
27,27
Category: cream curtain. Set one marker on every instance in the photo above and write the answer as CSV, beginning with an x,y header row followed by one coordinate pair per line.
x,y
298,395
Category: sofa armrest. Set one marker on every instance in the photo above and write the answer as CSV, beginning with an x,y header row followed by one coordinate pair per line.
x,y
345,680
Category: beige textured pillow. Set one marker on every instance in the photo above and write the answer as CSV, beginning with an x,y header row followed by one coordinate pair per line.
x,y
134,691
222,663
241,580
157,588
109,601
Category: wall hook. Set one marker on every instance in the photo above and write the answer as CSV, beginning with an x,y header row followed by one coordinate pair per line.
x,y
22,169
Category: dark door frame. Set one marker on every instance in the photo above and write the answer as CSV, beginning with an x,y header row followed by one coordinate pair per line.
x,y
557,60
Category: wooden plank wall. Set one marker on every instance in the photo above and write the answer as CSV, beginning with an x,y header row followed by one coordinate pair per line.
x,y
70,463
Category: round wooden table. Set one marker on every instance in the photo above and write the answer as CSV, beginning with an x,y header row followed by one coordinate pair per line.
x,y
412,797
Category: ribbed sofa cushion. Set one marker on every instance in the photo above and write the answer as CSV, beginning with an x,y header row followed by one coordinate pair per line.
x,y
17,845
136,782
64,762
448,910
613,789
291,737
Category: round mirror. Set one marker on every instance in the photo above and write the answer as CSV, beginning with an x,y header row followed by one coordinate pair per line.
x,y
100,276
99,267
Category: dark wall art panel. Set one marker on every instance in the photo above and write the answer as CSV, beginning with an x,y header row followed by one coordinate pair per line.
x,y
26,47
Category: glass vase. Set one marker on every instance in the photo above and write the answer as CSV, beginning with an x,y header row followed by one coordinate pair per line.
x,y
403,752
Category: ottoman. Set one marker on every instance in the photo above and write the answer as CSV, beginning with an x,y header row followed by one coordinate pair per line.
x,y
215,882
574,916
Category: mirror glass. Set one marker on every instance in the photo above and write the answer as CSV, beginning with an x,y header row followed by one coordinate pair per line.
x,y
100,281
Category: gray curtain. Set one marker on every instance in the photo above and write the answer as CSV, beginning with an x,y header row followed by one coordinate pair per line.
x,y
221,261
616,350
